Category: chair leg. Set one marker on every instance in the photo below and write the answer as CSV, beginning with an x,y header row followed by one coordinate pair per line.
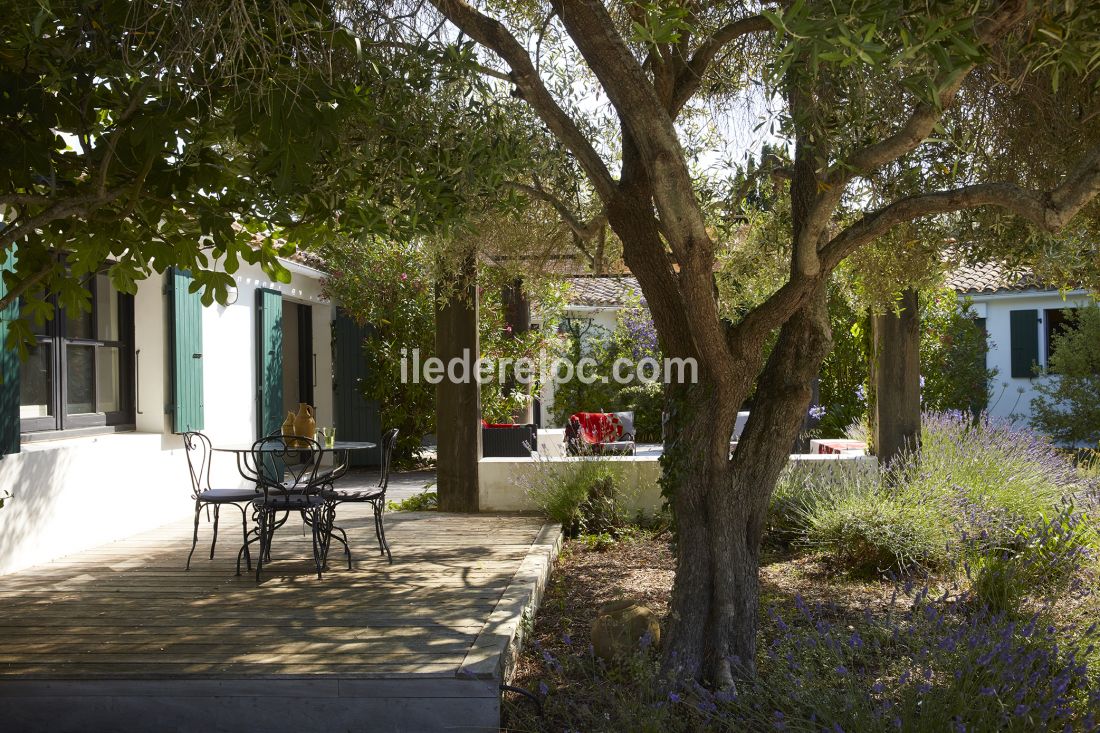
x,y
379,509
214,541
265,540
195,537
244,525
314,522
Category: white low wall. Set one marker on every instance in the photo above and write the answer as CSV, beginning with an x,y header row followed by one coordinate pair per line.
x,y
70,495
501,481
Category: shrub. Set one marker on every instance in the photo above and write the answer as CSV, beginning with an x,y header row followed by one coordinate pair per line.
x,y
579,493
934,666
647,401
1044,559
976,491
423,502
982,465
1068,403
879,531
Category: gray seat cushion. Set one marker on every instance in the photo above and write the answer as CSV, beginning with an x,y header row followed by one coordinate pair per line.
x,y
216,496
369,494
291,501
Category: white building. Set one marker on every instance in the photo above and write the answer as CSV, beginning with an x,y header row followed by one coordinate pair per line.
x,y
92,450
1019,315
593,308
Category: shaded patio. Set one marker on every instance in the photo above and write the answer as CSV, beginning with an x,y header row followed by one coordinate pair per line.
x,y
109,637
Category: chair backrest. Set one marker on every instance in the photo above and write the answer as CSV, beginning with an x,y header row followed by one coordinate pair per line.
x,y
389,440
286,464
199,456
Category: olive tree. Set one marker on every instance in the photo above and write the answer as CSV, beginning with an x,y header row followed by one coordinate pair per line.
x,y
858,89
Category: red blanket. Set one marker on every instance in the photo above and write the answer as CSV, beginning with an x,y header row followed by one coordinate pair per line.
x,y
598,427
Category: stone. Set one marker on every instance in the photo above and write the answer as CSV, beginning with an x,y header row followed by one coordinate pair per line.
x,y
620,627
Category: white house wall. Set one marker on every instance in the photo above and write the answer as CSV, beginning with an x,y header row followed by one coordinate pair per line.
x,y
74,493
605,317
1010,397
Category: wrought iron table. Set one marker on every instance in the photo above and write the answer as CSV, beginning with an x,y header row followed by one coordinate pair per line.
x,y
341,450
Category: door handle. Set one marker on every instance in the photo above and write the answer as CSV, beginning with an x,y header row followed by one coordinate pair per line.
x,y
196,356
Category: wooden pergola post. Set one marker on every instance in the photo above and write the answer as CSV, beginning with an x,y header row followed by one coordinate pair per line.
x,y
458,402
896,374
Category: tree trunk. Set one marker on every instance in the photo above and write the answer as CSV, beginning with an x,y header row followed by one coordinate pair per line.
x,y
458,402
721,505
896,372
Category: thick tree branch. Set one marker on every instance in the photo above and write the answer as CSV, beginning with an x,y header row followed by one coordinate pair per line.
x,y
25,284
1050,211
643,116
691,76
82,205
922,121
493,35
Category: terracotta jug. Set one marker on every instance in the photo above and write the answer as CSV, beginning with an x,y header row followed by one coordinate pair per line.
x,y
305,425
288,425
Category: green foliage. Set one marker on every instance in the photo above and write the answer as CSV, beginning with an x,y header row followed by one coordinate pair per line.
x,y
1068,403
877,531
391,287
154,135
1040,561
112,154
581,494
952,355
844,372
978,495
426,501
387,285
633,339
646,401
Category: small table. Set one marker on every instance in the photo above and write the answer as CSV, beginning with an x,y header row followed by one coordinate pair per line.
x,y
341,450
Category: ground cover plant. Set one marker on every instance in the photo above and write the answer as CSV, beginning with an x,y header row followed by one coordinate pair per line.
x,y
954,594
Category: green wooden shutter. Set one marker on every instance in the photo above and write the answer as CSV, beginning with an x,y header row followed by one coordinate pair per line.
x,y
269,361
1024,335
357,418
9,370
185,313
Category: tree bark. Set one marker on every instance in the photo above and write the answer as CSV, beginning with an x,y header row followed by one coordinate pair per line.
x,y
458,402
721,506
896,369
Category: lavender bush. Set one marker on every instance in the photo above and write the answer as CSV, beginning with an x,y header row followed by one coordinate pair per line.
x,y
978,490
927,665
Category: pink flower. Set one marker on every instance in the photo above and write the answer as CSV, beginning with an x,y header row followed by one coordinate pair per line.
x,y
404,277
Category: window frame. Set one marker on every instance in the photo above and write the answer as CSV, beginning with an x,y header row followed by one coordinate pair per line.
x,y
1054,325
54,333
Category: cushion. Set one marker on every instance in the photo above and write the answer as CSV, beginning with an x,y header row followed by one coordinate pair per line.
x,y
626,422
227,495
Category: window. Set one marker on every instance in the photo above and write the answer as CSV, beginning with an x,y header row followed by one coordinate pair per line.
x,y
79,374
1055,321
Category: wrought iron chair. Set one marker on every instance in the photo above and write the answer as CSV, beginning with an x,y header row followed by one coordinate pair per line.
x,y
375,496
199,458
287,475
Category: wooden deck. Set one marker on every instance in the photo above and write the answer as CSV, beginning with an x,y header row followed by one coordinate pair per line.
x,y
104,639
